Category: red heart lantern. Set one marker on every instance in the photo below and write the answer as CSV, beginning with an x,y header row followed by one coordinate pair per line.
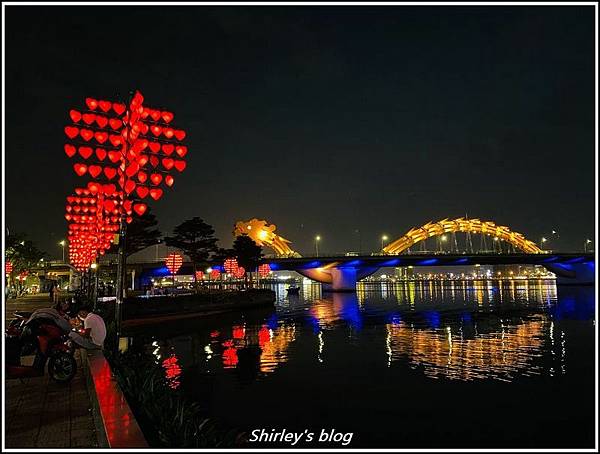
x,y
154,161
169,180
180,165
101,121
80,169
88,118
156,178
156,193
174,262
181,150
100,154
71,132
142,177
167,116
155,114
154,147
116,140
91,103
168,148
114,156
140,208
129,186
110,172
85,152
132,169
168,163
142,191
179,134
140,145
87,134
115,123
94,170
101,136
70,150
75,115
105,105
168,132
156,130
119,108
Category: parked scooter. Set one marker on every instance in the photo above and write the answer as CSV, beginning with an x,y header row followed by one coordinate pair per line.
x,y
49,343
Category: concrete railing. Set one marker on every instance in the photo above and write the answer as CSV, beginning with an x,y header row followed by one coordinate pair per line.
x,y
115,423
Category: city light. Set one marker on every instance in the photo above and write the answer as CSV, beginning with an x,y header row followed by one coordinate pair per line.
x,y
384,238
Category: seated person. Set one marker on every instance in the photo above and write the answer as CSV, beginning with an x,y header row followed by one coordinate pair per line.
x,y
94,330
52,315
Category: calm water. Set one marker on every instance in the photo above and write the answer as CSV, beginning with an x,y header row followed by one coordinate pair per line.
x,y
486,364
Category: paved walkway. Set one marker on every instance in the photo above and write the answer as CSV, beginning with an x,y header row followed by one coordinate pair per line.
x,y
27,303
41,413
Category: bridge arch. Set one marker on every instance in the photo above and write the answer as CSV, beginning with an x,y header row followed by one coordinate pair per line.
x,y
444,226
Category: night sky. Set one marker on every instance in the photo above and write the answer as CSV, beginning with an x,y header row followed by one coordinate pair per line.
x,y
322,120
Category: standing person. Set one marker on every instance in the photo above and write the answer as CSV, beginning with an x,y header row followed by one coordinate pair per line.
x,y
94,330
52,291
55,292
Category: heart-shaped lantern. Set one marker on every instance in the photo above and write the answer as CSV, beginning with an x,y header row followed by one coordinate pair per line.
x,y
75,115
85,152
71,132
70,150
80,169
156,193
141,191
140,208
110,172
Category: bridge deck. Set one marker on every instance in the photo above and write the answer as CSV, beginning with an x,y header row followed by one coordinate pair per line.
x,y
380,261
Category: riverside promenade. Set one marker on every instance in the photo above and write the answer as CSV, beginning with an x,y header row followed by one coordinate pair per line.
x,y
41,413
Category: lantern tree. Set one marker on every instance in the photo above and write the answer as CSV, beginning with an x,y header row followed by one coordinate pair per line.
x,y
129,153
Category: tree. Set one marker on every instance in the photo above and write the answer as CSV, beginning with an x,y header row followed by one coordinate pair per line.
x,y
141,233
247,252
23,254
196,239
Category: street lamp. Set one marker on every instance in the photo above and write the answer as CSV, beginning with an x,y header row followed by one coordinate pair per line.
x,y
384,238
542,241
62,243
585,244
317,239
442,239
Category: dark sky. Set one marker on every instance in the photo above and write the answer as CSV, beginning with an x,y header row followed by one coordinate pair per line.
x,y
320,119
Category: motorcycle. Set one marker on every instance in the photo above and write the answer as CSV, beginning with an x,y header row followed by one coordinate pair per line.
x,y
49,343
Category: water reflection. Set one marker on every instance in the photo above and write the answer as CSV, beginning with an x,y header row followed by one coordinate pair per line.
x,y
499,330
501,354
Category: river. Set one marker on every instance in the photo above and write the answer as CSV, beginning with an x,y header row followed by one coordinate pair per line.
x,y
453,364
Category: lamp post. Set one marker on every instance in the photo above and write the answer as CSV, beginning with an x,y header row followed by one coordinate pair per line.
x,y
317,239
542,241
62,244
442,240
94,267
585,244
384,238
